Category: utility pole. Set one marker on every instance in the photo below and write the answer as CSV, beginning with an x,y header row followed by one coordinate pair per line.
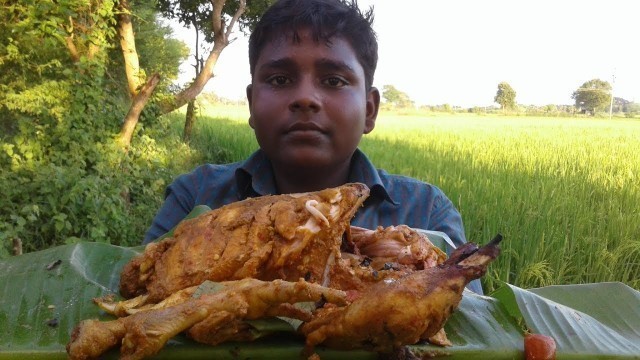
x,y
613,81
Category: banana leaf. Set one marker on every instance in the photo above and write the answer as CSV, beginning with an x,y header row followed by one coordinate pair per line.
x,y
45,294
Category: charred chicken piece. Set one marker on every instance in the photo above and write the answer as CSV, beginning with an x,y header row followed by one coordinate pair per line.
x,y
270,237
391,314
145,333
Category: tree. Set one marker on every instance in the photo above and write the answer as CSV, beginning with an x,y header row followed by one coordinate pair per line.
x,y
505,96
396,97
63,96
593,95
190,117
216,19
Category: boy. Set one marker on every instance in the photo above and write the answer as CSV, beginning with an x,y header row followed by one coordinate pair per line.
x,y
311,100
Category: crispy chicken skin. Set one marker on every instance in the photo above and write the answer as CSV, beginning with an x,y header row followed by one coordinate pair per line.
x,y
390,314
270,237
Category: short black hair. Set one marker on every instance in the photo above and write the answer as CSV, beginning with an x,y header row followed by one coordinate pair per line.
x,y
325,19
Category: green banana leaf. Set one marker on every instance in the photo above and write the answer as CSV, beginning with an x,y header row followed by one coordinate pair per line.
x,y
46,293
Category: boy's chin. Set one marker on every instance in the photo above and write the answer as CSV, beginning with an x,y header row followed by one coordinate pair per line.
x,y
307,160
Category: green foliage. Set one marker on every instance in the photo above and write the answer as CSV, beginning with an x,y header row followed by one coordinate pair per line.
x,y
505,96
395,97
158,52
632,109
594,95
198,13
62,178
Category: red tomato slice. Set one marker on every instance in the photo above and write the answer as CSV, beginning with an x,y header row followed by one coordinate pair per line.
x,y
539,347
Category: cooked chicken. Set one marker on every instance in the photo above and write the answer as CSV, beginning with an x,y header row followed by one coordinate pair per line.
x,y
272,237
398,288
144,333
390,314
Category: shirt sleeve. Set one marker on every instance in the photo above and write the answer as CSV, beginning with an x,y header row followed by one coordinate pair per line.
x,y
178,203
446,218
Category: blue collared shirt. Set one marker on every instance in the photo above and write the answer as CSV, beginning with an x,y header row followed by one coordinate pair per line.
x,y
393,200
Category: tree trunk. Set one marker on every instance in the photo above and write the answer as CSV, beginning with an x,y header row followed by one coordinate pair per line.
x,y
189,121
141,97
17,246
128,47
137,105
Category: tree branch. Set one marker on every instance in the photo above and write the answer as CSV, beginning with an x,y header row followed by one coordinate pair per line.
x,y
73,50
234,19
220,41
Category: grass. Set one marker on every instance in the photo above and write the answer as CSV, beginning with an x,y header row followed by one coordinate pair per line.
x,y
564,192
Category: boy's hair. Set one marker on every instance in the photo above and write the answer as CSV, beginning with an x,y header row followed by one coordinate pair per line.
x,y
325,19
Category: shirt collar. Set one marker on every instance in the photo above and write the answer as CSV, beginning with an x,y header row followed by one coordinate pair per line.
x,y
254,176
363,171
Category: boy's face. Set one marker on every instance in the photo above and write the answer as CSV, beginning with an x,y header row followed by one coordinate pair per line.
x,y
308,103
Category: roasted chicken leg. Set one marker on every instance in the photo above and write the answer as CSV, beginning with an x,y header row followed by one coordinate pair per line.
x,y
391,314
145,333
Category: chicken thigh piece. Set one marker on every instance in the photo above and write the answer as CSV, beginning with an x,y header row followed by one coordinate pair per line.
x,y
391,314
270,237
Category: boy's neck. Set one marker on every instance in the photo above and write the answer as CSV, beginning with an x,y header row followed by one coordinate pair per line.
x,y
310,179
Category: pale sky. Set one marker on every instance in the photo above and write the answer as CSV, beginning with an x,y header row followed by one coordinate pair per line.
x,y
457,51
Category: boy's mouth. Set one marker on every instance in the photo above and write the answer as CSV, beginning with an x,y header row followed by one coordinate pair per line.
x,y
306,126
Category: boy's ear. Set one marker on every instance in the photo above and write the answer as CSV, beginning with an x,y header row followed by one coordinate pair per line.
x,y
373,104
248,90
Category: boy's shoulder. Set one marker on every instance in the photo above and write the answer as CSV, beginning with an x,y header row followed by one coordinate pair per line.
x,y
401,183
393,184
207,170
206,179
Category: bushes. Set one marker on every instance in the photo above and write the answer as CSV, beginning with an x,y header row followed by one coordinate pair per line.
x,y
63,177
63,96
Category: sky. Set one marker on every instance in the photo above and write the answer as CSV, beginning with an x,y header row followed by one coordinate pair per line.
x,y
457,51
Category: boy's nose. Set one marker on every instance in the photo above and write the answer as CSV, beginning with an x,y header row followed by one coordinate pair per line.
x,y
305,98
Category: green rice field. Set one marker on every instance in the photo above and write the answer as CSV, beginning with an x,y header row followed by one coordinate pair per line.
x,y
564,192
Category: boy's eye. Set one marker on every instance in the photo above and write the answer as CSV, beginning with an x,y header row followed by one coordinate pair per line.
x,y
279,80
335,82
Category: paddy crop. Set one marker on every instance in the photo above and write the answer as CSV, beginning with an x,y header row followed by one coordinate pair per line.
x,y
564,192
